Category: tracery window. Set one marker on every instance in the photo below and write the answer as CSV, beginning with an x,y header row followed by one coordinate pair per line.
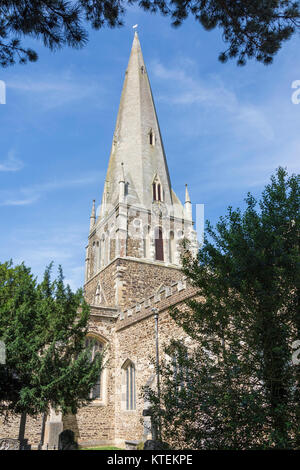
x,y
129,371
95,346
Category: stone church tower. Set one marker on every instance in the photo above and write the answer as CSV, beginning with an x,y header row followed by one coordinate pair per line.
x,y
132,264
141,220
132,272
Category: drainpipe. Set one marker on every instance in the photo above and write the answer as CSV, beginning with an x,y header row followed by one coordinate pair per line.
x,y
155,311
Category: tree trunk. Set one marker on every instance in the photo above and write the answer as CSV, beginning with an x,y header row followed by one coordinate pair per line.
x,y
22,427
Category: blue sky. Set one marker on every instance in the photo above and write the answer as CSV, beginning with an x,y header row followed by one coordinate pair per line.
x,y
225,130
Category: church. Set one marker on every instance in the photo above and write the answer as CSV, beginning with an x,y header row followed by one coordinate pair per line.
x,y
132,272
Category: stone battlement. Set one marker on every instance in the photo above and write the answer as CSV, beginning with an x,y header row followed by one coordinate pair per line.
x,y
165,297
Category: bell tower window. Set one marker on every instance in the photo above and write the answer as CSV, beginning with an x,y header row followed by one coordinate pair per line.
x,y
157,190
154,191
159,245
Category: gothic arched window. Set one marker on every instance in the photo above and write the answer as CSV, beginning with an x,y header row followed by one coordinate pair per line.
x,y
154,191
95,346
98,295
129,383
159,244
157,190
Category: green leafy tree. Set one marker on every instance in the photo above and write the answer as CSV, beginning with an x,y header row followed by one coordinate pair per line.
x,y
251,28
236,387
43,327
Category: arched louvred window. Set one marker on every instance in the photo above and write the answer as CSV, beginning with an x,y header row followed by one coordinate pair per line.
x,y
95,346
157,189
158,192
159,245
154,191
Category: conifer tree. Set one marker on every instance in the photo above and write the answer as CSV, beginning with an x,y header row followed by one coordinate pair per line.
x,y
251,28
237,387
43,327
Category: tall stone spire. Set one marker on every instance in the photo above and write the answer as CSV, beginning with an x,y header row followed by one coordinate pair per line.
x,y
140,218
137,140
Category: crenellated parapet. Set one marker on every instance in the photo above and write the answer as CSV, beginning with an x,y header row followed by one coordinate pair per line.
x,y
165,297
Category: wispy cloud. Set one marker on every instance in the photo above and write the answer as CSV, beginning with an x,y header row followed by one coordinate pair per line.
x,y
52,91
234,136
212,94
18,202
31,194
11,162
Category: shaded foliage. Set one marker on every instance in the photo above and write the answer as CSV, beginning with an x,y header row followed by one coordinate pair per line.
x,y
252,28
236,387
43,327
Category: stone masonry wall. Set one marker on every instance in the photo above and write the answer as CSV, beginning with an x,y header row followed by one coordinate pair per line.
x,y
94,423
135,340
141,279
107,280
10,428
126,281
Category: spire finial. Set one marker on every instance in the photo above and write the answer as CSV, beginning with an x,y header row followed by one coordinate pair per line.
x,y
122,184
93,215
187,204
122,180
93,208
187,196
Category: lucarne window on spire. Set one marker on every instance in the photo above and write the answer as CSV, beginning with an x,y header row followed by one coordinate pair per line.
x,y
151,138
